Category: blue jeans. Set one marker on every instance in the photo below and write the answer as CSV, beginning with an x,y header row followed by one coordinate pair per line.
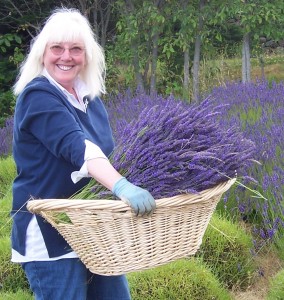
x,y
69,279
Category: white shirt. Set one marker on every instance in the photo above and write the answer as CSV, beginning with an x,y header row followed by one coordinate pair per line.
x,y
35,245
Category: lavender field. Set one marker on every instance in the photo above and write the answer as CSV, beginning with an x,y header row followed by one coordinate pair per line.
x,y
255,108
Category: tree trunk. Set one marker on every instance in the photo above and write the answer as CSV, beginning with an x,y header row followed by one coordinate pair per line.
x,y
138,75
196,60
154,64
246,58
100,12
186,74
186,57
159,5
147,64
261,62
134,49
94,11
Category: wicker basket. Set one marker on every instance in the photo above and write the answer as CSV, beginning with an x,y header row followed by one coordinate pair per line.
x,y
110,240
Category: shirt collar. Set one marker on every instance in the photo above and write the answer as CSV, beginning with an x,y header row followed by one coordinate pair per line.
x,y
79,85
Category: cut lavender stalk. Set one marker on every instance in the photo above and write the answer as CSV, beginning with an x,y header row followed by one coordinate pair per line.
x,y
171,147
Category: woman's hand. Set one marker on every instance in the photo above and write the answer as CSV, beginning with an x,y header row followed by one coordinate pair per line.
x,y
140,200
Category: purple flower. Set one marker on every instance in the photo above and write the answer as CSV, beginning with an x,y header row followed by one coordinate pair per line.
x,y
6,137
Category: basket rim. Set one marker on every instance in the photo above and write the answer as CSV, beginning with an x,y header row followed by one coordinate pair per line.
x,y
35,206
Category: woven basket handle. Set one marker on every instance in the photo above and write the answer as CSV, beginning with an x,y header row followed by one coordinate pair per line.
x,y
36,206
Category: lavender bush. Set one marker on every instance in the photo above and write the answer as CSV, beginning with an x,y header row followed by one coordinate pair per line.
x,y
258,109
6,136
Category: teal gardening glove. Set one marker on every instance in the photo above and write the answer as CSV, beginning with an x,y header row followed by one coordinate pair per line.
x,y
140,200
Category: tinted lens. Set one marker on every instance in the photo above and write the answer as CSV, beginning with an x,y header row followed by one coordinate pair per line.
x,y
76,51
58,50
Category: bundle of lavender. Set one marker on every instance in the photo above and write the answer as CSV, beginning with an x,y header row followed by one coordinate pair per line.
x,y
173,147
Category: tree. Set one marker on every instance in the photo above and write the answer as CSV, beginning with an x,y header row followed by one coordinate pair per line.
x,y
128,28
24,17
139,29
257,17
98,13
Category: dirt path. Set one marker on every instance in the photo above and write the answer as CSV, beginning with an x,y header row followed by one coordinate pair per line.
x,y
269,264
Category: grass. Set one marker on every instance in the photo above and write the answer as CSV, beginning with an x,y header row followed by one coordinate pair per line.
x,y
184,279
214,72
276,290
11,275
18,295
226,249
7,173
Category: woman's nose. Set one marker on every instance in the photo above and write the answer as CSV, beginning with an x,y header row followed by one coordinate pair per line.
x,y
66,54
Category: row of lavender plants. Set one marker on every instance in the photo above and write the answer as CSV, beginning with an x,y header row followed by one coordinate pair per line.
x,y
258,108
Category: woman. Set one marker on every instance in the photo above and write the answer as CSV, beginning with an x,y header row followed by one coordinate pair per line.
x,y
61,137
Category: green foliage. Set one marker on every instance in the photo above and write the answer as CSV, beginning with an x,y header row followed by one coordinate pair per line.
x,y
7,40
5,208
226,250
11,55
7,173
184,279
251,116
18,295
10,51
276,290
12,277
279,246
7,105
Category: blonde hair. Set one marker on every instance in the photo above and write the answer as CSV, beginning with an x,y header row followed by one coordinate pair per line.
x,y
65,25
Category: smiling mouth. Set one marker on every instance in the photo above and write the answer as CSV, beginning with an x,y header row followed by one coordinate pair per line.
x,y
64,68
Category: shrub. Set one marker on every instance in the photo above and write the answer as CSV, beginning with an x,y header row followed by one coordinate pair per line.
x,y
183,279
276,291
226,250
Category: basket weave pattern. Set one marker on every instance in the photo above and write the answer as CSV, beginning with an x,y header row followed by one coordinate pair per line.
x,y
110,240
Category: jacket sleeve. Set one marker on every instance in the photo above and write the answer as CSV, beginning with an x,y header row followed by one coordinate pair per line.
x,y
43,116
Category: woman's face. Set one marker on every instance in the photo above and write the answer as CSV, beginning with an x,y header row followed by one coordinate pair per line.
x,y
64,61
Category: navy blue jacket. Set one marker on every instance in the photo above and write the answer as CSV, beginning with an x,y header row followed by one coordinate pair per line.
x,y
48,145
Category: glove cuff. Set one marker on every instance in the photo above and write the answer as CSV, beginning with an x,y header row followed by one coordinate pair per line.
x,y
120,183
